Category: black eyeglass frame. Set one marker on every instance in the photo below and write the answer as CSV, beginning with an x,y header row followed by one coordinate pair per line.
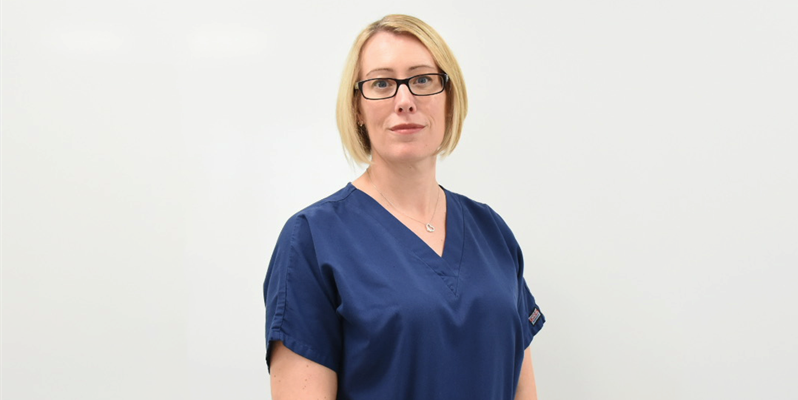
x,y
400,82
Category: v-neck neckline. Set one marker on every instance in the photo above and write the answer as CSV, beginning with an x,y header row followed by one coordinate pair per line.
x,y
447,266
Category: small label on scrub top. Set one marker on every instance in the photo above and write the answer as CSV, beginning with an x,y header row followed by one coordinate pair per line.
x,y
535,315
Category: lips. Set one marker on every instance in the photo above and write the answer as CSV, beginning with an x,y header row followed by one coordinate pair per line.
x,y
407,128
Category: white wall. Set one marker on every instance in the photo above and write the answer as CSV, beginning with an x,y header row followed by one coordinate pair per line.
x,y
644,153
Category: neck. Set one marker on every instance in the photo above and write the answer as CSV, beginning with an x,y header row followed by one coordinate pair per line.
x,y
413,189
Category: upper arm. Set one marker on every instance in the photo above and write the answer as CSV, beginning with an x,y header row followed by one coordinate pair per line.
x,y
296,378
527,389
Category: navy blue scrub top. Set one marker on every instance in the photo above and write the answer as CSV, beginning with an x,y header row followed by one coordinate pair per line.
x,y
352,288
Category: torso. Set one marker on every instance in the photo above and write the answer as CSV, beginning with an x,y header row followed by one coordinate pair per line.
x,y
352,288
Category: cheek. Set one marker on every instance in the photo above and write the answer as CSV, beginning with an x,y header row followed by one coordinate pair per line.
x,y
438,112
373,113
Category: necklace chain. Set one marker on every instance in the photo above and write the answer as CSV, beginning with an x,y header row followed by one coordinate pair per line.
x,y
430,228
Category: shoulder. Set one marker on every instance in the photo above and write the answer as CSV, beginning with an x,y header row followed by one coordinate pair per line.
x,y
324,209
483,215
478,210
305,230
323,215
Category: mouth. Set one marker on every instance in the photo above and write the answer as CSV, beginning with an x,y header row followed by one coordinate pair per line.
x,y
406,128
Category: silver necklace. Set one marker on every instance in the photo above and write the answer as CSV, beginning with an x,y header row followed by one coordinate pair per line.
x,y
428,225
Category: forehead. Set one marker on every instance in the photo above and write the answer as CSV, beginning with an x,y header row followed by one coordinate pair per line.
x,y
388,52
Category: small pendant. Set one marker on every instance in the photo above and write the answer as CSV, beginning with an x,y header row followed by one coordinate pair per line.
x,y
430,228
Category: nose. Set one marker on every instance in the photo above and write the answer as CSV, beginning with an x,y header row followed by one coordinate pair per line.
x,y
404,101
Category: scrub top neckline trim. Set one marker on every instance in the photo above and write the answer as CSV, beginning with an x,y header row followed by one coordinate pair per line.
x,y
447,266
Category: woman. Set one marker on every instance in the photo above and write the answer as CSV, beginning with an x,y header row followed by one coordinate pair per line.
x,y
393,287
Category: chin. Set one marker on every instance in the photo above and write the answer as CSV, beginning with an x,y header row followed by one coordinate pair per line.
x,y
407,152
410,157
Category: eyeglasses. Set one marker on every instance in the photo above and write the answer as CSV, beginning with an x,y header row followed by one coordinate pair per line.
x,y
419,85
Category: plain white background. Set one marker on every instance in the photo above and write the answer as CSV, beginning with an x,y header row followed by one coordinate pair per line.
x,y
644,152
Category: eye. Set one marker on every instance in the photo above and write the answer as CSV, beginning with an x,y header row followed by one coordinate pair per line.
x,y
422,80
380,84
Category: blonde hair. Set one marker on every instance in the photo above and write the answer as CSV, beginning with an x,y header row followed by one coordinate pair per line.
x,y
355,138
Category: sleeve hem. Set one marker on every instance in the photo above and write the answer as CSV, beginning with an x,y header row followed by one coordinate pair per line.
x,y
299,347
533,330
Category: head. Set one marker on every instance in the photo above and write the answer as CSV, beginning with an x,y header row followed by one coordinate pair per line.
x,y
354,136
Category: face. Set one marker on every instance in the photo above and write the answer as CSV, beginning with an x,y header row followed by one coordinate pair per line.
x,y
404,128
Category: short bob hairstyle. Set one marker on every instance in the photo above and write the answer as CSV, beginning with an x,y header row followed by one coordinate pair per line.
x,y
355,138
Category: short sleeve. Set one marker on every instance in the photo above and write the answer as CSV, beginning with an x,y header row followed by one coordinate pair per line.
x,y
532,319
531,316
300,297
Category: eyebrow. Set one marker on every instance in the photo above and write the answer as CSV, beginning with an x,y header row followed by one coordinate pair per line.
x,y
415,67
